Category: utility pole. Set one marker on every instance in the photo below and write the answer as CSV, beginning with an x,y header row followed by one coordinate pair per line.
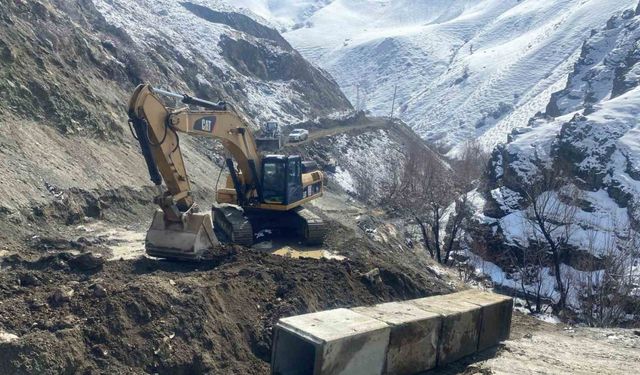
x,y
393,102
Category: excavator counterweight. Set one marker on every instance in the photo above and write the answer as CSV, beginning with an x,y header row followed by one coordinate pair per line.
x,y
261,192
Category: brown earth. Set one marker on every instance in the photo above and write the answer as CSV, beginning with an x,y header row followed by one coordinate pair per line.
x,y
150,316
154,316
73,312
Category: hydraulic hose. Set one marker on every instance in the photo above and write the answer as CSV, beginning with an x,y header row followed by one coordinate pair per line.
x,y
140,127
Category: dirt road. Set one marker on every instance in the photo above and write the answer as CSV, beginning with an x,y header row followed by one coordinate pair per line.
x,y
538,347
570,351
314,134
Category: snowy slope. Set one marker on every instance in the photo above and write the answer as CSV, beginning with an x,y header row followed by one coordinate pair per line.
x,y
283,14
219,51
593,133
464,68
67,68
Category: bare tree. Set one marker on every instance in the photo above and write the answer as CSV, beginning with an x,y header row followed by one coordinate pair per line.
x,y
428,191
455,223
424,190
467,269
551,214
471,165
605,286
529,263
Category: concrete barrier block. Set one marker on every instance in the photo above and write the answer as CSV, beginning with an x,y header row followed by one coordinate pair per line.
x,y
413,341
496,316
460,326
330,342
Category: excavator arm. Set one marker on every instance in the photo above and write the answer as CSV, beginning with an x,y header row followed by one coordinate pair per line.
x,y
179,230
156,127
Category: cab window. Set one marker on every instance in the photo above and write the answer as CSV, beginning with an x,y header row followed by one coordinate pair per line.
x,y
274,175
293,171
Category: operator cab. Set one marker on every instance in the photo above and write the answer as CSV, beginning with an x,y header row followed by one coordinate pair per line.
x,y
281,179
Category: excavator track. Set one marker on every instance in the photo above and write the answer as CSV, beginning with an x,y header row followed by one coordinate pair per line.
x,y
237,228
232,222
310,226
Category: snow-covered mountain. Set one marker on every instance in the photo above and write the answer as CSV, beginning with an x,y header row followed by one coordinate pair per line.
x,y
464,69
580,162
204,47
590,131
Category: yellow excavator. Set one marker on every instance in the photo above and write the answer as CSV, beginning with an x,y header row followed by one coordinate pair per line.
x,y
262,192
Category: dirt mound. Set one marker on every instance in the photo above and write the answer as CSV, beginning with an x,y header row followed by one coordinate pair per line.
x,y
143,315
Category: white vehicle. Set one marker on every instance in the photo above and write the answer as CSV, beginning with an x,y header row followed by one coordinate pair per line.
x,y
298,135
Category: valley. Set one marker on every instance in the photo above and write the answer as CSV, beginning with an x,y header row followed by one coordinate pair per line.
x,y
509,163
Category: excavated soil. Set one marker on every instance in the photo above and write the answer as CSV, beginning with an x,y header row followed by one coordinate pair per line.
x,y
64,311
75,314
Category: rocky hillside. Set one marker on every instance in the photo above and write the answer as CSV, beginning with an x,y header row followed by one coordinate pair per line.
x,y
222,53
579,158
68,68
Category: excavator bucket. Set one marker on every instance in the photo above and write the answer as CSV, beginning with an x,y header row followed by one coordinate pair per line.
x,y
189,240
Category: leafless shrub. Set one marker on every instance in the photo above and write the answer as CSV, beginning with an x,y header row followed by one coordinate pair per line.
x,y
471,165
602,292
424,189
530,264
467,269
606,293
